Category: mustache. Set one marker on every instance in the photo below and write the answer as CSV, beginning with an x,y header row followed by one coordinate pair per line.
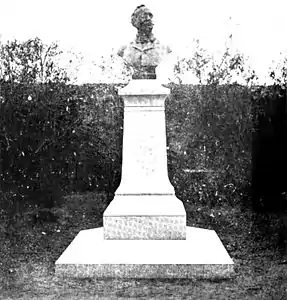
x,y
148,23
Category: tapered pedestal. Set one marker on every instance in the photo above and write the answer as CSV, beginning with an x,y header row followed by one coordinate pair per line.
x,y
145,233
145,205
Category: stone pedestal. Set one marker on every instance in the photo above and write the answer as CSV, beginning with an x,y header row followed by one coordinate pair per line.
x,y
148,217
145,233
145,206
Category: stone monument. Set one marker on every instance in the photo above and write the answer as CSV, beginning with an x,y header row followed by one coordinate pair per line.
x,y
145,233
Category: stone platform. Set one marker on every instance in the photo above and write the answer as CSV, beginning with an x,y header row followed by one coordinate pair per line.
x,y
201,255
143,217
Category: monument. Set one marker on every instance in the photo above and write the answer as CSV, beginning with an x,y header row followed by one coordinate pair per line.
x,y
145,233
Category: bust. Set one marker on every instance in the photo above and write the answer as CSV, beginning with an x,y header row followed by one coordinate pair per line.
x,y
145,53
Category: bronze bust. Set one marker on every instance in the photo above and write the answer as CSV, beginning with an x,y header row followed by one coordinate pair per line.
x,y
145,53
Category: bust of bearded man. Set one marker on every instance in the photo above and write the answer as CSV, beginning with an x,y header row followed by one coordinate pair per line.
x,y
145,53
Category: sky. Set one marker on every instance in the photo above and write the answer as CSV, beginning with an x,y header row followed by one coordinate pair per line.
x,y
99,27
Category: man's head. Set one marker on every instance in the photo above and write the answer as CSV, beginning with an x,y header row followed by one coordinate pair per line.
x,y
142,19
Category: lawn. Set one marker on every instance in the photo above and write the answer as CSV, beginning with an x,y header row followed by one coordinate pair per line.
x,y
29,251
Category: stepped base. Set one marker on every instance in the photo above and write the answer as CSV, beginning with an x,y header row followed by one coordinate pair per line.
x,y
201,255
145,217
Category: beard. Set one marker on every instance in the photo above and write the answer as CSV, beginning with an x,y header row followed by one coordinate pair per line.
x,y
145,30
147,27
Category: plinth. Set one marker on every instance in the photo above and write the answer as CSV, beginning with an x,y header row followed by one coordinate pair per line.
x,y
145,233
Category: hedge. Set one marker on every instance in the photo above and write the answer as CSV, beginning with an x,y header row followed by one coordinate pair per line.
x,y
58,138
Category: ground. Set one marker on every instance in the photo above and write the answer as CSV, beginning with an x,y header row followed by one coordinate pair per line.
x,y
29,250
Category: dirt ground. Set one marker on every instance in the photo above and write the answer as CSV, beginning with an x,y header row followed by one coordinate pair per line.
x,y
29,251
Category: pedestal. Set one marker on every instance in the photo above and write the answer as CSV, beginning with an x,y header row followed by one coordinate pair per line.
x,y
145,233
157,217
145,205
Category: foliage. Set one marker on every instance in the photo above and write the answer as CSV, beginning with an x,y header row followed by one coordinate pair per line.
x,y
36,122
209,69
234,125
269,161
209,134
269,147
31,62
100,136
114,69
279,73
56,137
211,131
30,84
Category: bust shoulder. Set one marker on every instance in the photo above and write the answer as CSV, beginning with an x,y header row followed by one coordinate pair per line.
x,y
128,47
121,50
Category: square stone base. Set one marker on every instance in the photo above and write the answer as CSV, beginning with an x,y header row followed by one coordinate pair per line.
x,y
201,255
145,217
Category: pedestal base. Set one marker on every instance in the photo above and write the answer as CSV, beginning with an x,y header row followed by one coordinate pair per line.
x,y
201,255
145,217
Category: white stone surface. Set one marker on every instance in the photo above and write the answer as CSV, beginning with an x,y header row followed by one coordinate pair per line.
x,y
145,228
144,165
200,255
145,205
144,87
145,217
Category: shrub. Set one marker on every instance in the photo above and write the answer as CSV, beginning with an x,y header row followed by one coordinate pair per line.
x,y
209,128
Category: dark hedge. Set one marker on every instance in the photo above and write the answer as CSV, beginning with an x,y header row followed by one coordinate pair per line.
x,y
210,129
269,148
58,138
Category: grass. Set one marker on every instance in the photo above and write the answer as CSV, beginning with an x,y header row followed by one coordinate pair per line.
x,y
29,251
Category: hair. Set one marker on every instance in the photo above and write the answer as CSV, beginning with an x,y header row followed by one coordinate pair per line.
x,y
134,17
142,5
